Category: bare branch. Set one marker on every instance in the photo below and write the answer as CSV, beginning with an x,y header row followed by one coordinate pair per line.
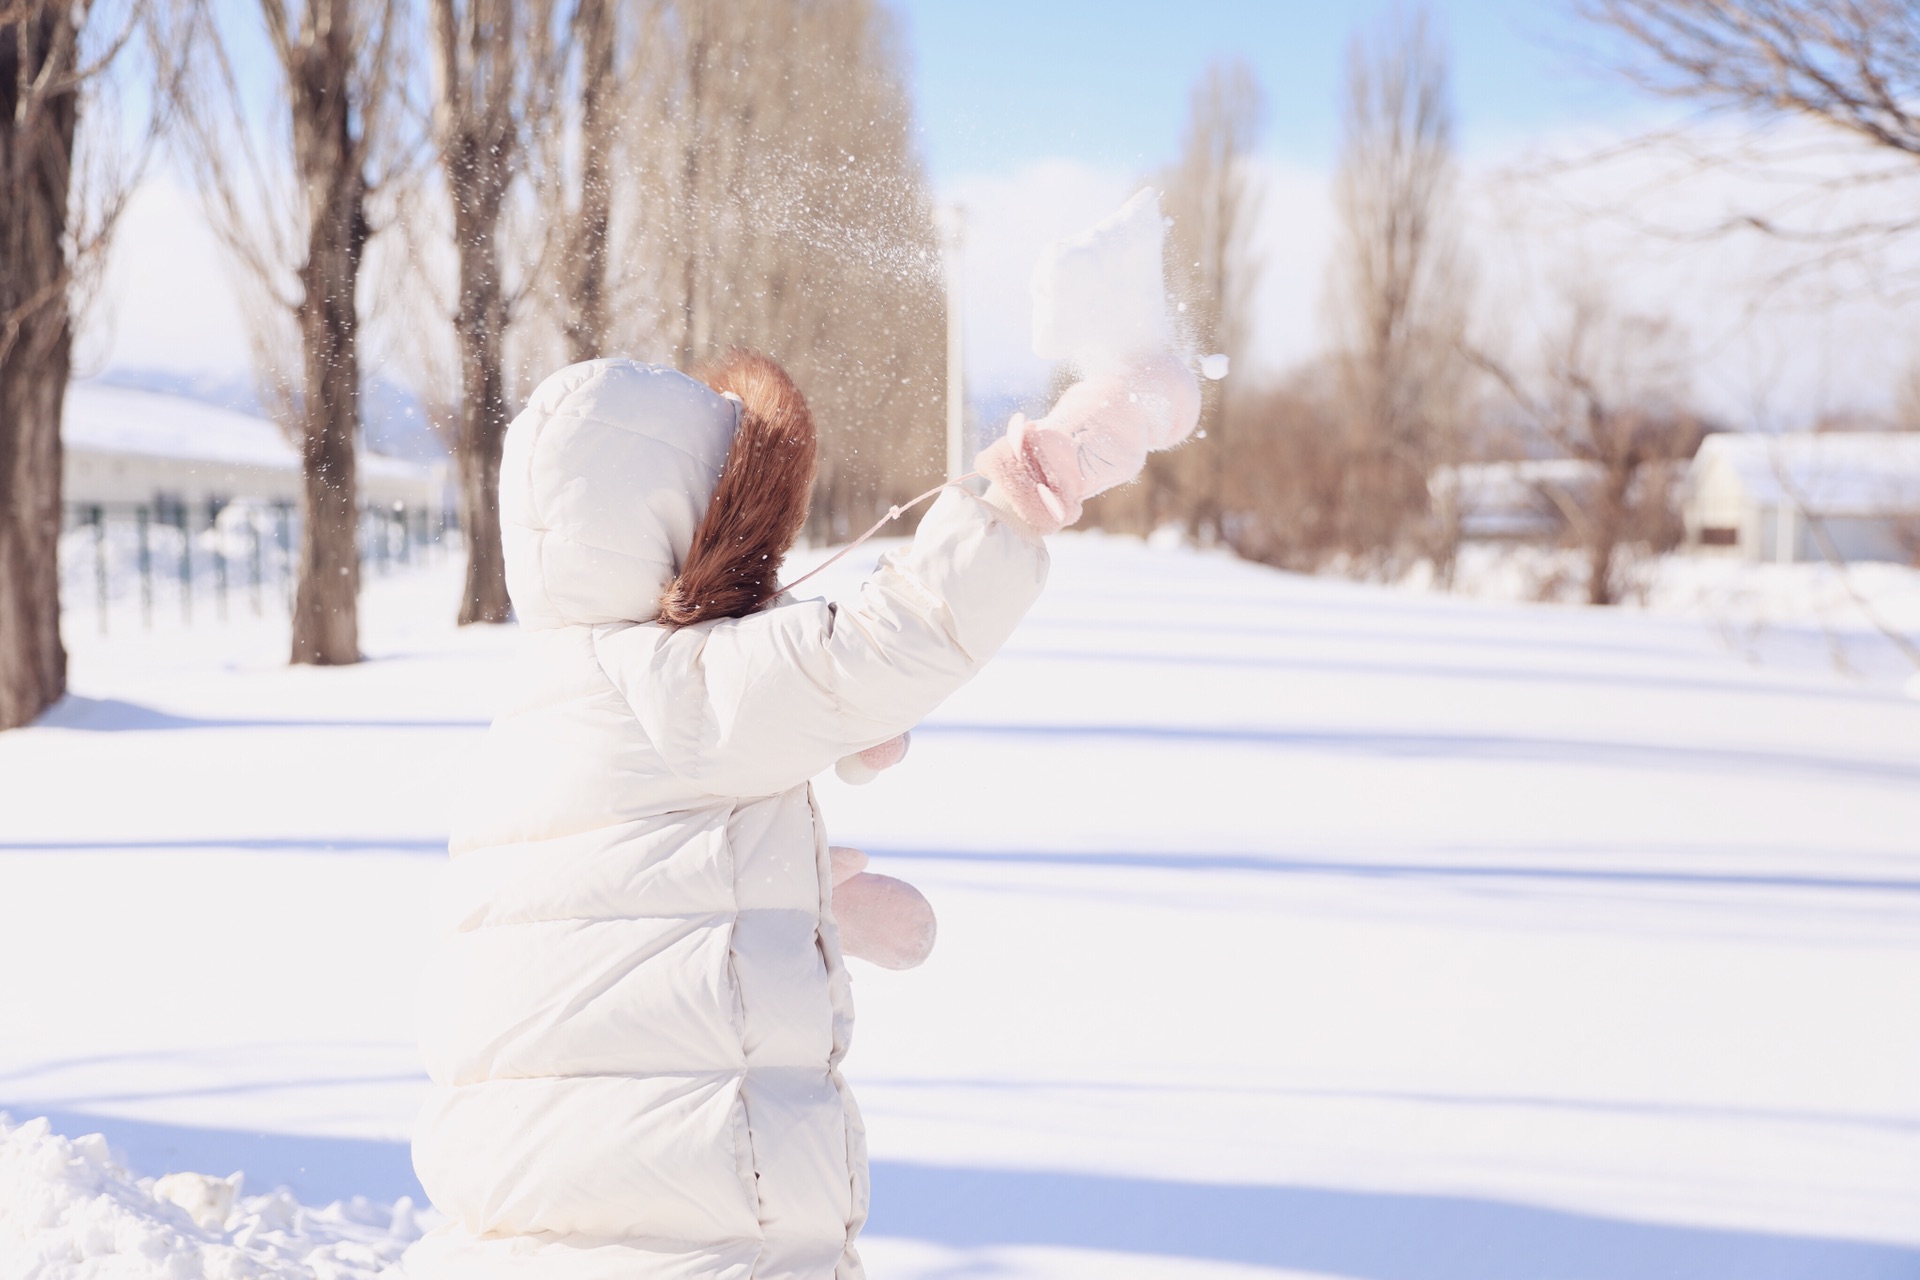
x,y
1845,72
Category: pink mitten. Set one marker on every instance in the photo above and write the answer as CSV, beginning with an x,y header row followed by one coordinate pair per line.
x,y
863,767
846,862
881,919
1097,436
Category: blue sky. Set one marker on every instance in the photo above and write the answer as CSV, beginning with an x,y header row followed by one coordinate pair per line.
x,y
1039,116
1003,82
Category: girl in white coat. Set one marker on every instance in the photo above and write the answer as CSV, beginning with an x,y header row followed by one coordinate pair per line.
x,y
636,1012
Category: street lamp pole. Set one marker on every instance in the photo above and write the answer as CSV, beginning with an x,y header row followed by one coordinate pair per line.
x,y
949,221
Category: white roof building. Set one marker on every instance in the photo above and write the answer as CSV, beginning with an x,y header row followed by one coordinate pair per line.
x,y
126,447
1850,495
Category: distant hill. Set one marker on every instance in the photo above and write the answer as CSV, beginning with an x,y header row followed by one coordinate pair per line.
x,y
394,421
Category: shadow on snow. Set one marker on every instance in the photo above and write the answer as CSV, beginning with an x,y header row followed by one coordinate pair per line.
x,y
1272,864
1514,748
1433,871
111,715
1362,1234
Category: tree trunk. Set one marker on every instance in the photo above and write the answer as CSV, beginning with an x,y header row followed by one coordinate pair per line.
x,y
476,114
33,662
484,596
586,265
326,620
695,210
36,156
1608,529
482,325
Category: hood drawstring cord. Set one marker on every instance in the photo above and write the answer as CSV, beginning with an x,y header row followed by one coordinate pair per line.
x,y
893,513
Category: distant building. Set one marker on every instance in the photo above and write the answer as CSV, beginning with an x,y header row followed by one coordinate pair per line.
x,y
1760,497
127,448
1520,501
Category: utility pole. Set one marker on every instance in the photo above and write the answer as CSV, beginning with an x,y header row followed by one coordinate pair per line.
x,y
949,221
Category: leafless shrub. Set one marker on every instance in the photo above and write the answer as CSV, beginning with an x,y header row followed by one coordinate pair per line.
x,y
1610,390
1284,466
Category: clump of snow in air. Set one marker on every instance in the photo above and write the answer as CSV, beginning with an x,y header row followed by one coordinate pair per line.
x,y
1101,294
1214,367
68,1211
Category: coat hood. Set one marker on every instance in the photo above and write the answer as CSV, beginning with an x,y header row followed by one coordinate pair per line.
x,y
604,477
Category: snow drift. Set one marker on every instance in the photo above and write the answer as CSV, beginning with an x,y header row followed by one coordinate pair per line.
x,y
69,1211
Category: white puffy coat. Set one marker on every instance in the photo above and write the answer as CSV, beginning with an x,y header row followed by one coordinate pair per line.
x,y
634,1016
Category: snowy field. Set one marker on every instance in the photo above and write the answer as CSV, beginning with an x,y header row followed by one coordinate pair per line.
x,y
1289,928
1796,615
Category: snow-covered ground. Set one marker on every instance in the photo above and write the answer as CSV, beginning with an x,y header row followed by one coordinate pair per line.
x,y
1844,617
1289,927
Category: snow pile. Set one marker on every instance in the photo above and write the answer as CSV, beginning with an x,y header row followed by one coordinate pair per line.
x,y
1101,294
69,1212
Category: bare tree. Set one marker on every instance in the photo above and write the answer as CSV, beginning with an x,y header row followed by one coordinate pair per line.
x,y
1611,392
299,227
1848,70
1397,290
487,87
1212,196
54,232
1851,64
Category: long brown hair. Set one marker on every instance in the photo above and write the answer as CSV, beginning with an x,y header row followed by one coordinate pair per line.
x,y
733,567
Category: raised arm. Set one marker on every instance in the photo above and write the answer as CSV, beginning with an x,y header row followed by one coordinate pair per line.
x,y
754,705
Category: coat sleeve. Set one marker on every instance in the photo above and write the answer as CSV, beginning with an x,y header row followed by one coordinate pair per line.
x,y
755,705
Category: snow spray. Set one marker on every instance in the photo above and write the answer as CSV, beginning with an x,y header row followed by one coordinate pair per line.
x,y
1098,297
